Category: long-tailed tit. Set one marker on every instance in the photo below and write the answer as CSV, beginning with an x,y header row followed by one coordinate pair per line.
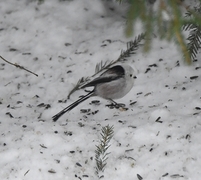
x,y
114,83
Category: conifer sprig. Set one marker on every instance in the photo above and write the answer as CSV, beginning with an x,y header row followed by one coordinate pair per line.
x,y
194,40
194,28
165,18
101,154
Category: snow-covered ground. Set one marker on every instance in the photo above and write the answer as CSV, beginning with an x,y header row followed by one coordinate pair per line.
x,y
158,137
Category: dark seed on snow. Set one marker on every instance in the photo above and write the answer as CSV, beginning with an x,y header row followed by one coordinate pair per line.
x,y
43,146
193,77
128,150
197,68
153,65
85,175
37,96
84,110
195,114
177,63
8,113
166,174
132,103
72,152
26,53
157,120
81,124
147,70
176,176
35,59
41,105
139,177
51,171
103,45
188,136
147,94
68,133
67,44
96,102
78,164
197,108
62,101
26,172
120,121
47,106
57,160
95,112
131,126
24,126
168,136
12,49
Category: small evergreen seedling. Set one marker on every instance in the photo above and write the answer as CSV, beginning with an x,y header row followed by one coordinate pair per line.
x,y
101,152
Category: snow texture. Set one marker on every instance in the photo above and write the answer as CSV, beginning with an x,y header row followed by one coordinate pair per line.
x,y
157,138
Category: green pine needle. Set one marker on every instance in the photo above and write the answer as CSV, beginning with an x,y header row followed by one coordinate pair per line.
x,y
101,154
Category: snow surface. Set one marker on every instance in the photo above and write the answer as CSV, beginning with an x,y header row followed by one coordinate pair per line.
x,y
158,137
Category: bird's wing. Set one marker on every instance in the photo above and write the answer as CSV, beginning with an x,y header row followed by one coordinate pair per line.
x,y
114,71
101,80
109,75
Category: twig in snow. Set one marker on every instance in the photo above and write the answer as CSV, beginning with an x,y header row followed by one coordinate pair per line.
x,y
18,66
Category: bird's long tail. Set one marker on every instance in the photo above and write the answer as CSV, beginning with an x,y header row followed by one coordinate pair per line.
x,y
58,115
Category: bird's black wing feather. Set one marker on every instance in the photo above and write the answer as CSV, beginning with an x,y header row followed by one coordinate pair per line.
x,y
101,80
109,75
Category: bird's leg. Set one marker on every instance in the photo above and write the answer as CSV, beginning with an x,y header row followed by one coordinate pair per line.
x,y
115,104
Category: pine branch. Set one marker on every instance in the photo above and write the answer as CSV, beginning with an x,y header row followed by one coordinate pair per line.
x,y
165,18
194,44
101,154
194,29
132,47
77,86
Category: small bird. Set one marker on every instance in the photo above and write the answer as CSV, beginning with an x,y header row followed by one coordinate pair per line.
x,y
114,83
